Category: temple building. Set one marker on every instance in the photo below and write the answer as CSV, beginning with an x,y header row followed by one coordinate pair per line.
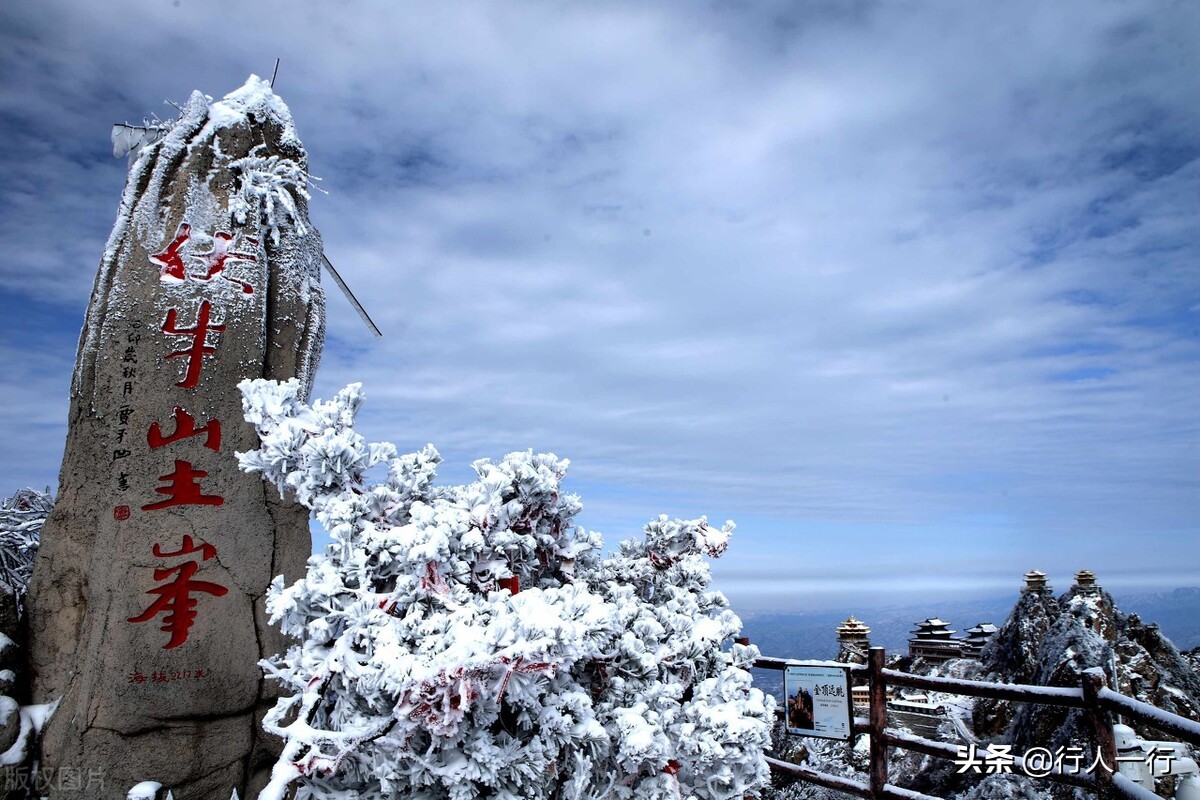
x,y
853,648
977,637
1085,582
860,698
852,642
853,631
1035,581
933,641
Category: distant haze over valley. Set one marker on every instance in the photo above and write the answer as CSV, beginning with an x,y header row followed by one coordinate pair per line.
x,y
811,635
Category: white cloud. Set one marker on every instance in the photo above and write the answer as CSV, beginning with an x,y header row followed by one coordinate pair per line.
x,y
817,263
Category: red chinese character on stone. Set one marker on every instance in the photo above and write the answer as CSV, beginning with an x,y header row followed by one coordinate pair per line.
x,y
185,426
183,489
171,260
215,259
175,598
189,547
120,513
173,269
137,677
199,347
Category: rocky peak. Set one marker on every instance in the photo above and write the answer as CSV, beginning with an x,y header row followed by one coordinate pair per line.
x,y
1012,654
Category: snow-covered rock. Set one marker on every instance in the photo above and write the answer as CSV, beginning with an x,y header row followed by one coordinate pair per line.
x,y
10,722
146,790
145,602
1045,641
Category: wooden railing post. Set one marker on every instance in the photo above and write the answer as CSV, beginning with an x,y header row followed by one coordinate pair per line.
x,y
878,721
1104,742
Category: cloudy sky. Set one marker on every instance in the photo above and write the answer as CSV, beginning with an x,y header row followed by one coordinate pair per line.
x,y
909,291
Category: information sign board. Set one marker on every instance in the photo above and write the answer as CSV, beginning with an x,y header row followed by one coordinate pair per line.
x,y
818,701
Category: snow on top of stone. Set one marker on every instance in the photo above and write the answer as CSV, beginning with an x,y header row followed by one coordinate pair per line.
x,y
253,99
176,137
146,790
201,118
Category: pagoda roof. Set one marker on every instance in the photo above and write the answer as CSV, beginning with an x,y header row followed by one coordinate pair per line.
x,y
1035,579
932,622
982,629
932,627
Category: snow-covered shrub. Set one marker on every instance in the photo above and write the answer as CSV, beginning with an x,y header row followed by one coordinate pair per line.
x,y
471,642
21,520
265,188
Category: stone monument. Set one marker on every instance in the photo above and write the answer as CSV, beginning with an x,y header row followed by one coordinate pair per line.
x,y
146,602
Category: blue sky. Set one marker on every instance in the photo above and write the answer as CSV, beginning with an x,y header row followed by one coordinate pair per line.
x,y
907,290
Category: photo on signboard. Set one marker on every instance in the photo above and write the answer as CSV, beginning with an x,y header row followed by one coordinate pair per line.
x,y
800,708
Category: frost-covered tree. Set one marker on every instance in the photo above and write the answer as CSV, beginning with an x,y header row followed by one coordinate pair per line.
x,y
472,642
21,519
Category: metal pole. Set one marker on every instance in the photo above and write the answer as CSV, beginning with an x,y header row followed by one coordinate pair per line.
x,y
362,312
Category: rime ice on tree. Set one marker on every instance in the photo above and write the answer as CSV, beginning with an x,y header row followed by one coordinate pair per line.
x,y
143,604
471,642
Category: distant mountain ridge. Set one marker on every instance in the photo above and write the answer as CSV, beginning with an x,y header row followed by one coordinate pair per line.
x,y
1046,639
1052,641
813,635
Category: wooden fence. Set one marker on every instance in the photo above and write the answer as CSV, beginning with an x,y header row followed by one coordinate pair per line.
x,y
1097,701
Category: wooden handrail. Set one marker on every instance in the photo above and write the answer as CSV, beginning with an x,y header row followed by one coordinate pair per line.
x,y
1133,790
803,773
1094,697
1019,692
1165,721
840,784
877,686
930,747
781,664
1104,741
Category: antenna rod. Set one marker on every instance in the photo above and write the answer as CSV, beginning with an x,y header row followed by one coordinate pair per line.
x,y
362,312
273,74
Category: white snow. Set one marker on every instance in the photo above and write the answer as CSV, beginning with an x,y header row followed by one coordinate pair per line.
x,y
146,790
38,714
444,644
17,754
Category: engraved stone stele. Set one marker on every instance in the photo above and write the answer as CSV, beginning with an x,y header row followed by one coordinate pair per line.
x,y
146,601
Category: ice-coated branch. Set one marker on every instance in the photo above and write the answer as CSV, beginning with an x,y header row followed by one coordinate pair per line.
x,y
267,190
21,520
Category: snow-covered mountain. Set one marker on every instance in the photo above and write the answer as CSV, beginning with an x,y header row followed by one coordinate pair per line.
x,y
1013,655
1045,640
1051,642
